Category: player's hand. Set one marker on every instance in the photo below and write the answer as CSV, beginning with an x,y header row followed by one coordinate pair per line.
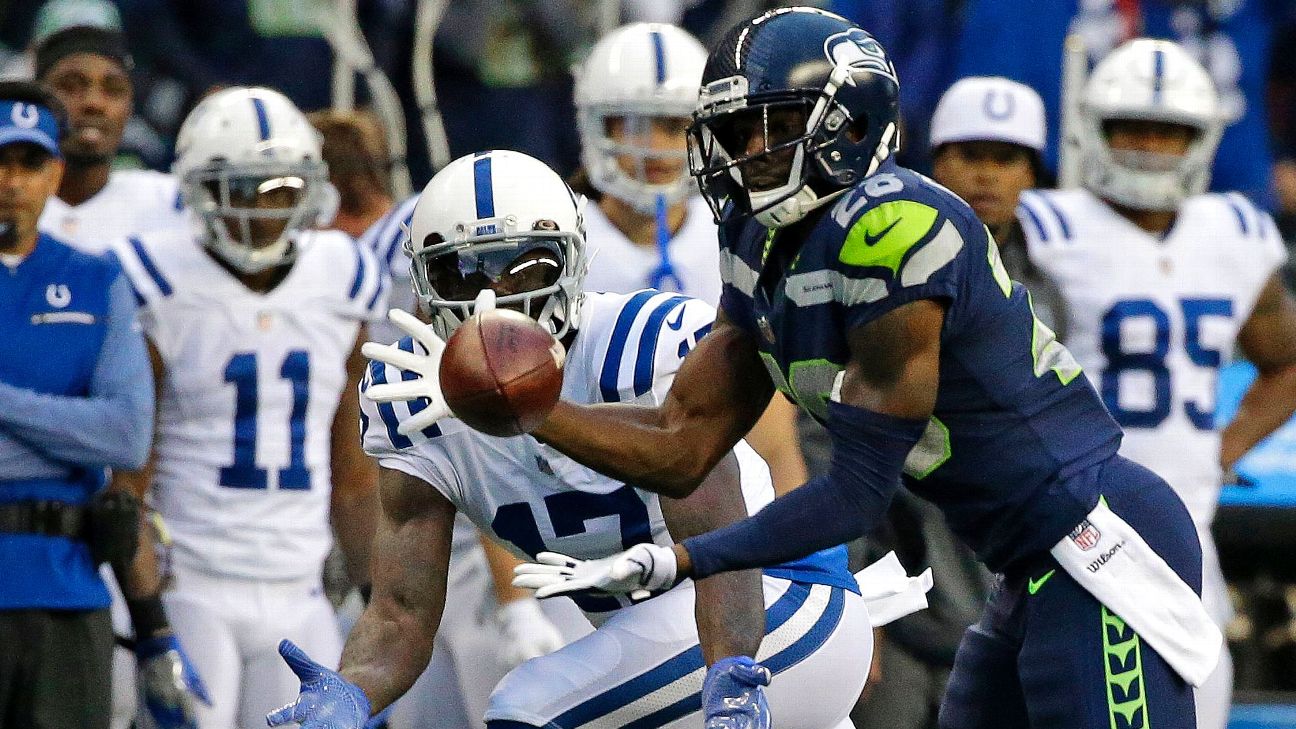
x,y
638,572
170,683
326,701
732,697
527,632
427,367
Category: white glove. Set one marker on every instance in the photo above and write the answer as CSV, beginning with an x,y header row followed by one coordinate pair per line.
x,y
527,632
638,572
427,385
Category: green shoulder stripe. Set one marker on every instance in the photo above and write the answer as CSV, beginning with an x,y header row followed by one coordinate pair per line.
x,y
883,235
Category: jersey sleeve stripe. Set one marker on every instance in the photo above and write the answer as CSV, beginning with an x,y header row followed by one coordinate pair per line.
x,y
1057,213
378,375
616,347
361,269
932,257
149,267
646,358
397,237
1237,203
1034,220
416,406
383,283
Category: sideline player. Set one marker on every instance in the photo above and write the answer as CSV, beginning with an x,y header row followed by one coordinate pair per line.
x,y
876,299
503,223
1161,282
254,325
88,69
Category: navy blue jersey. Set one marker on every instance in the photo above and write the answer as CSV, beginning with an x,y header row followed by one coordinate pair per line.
x,y
1014,420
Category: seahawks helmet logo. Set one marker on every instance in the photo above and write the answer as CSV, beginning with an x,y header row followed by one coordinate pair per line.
x,y
859,50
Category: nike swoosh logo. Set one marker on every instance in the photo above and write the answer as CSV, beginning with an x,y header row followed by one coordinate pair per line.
x,y
873,239
1033,586
679,320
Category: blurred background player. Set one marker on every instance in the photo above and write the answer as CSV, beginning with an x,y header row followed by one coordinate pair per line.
x,y
254,322
648,228
88,69
644,665
490,626
1161,282
76,398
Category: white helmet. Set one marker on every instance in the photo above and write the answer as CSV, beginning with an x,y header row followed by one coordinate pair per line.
x,y
637,72
1153,80
500,220
241,143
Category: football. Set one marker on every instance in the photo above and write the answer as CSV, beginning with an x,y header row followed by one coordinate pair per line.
x,y
501,372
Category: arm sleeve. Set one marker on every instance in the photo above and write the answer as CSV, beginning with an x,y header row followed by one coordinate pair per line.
x,y
869,450
111,427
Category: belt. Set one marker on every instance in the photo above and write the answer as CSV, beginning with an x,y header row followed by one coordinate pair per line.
x,y
47,518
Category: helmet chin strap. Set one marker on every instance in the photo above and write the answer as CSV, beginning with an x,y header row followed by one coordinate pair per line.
x,y
796,207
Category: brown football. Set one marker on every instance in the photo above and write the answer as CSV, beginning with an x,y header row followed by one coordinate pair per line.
x,y
501,372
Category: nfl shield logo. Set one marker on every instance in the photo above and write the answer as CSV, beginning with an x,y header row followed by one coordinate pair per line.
x,y
1085,536
763,323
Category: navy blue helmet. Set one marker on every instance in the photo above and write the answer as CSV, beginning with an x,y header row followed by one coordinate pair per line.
x,y
796,106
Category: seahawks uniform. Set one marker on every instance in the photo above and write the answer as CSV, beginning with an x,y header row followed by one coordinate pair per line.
x,y
1017,452
619,265
467,661
1152,319
643,665
243,451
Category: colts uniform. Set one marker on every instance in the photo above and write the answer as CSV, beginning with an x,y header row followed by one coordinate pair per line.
x,y
643,665
243,451
132,202
1152,319
618,265
469,656
1017,453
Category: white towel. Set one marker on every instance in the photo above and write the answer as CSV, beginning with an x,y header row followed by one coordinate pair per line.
x,y
1113,563
889,592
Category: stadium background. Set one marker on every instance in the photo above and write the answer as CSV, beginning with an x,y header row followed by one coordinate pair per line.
x,y
501,73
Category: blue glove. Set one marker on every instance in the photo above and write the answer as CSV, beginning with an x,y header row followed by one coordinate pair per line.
x,y
327,701
170,682
732,697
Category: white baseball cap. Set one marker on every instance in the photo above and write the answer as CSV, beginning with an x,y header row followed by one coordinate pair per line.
x,y
989,109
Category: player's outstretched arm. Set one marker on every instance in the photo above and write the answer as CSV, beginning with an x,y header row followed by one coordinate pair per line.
x,y
887,396
719,393
392,641
1268,339
353,501
883,408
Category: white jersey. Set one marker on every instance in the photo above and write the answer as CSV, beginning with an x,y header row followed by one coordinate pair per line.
x,y
385,239
133,201
619,266
530,497
246,410
1152,319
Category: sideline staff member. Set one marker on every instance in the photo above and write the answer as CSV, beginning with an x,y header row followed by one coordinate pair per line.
x,y
76,397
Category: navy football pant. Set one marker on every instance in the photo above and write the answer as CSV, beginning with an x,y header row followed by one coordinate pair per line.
x,y
1057,659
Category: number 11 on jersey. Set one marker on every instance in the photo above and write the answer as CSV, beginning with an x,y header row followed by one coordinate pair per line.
x,y
243,473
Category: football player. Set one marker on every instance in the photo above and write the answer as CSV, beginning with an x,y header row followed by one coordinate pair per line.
x,y
88,69
254,323
634,97
1161,281
505,224
471,653
877,300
